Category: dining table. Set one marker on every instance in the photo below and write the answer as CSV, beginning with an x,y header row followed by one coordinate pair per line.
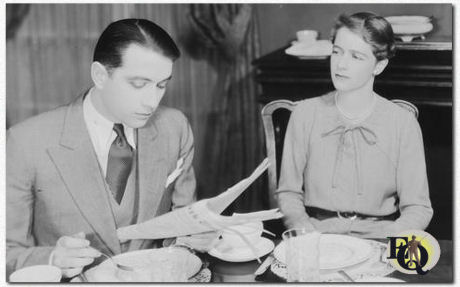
x,y
223,271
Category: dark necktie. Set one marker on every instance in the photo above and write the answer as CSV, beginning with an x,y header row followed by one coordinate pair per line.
x,y
119,163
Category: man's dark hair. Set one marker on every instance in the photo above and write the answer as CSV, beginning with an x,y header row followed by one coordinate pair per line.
x,y
120,34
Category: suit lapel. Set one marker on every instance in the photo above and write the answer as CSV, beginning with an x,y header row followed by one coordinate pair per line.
x,y
77,164
152,171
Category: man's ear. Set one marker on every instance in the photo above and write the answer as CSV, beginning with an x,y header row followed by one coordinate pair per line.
x,y
380,66
99,74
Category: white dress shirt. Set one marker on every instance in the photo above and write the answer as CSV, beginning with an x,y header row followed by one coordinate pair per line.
x,y
101,131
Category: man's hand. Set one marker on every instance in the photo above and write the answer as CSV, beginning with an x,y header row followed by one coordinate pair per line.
x,y
72,253
201,242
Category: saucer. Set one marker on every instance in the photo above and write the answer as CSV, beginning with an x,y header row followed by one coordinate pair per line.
x,y
231,254
320,49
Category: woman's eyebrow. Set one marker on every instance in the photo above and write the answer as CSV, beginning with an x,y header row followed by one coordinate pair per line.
x,y
351,50
338,47
360,53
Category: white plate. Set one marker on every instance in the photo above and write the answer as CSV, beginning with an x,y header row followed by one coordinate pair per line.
x,y
320,49
230,254
336,251
105,272
408,19
410,29
151,256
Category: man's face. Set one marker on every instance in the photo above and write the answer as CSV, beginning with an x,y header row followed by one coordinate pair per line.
x,y
352,61
134,90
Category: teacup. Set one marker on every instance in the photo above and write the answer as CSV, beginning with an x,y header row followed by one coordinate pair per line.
x,y
252,231
37,273
307,36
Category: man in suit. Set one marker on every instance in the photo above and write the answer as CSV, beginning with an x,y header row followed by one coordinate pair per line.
x,y
77,173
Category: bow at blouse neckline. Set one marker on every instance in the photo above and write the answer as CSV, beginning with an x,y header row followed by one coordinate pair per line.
x,y
353,130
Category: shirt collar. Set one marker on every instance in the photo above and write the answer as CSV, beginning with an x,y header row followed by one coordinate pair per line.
x,y
103,125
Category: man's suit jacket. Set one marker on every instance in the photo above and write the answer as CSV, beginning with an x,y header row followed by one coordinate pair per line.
x,y
54,185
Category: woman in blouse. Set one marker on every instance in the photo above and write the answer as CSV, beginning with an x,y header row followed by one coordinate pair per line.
x,y
353,162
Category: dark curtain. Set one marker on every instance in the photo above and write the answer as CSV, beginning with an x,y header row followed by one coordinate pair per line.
x,y
226,36
15,14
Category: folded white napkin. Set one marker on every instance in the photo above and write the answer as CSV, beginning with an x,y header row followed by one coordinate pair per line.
x,y
201,216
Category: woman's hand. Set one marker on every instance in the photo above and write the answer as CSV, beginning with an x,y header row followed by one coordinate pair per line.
x,y
305,223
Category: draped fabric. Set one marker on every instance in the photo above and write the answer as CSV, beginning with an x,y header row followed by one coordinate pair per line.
x,y
48,63
222,27
15,14
229,33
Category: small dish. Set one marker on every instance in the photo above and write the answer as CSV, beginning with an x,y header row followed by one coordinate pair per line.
x,y
408,28
404,19
244,254
319,49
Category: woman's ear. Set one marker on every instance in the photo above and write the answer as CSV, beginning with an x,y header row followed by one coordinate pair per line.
x,y
380,66
99,74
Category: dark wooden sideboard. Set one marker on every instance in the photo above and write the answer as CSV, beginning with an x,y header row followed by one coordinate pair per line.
x,y
421,72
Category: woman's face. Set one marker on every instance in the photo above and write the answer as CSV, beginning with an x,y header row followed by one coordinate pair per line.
x,y
352,62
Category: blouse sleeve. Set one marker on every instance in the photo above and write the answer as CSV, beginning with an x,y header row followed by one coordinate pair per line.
x,y
412,183
289,193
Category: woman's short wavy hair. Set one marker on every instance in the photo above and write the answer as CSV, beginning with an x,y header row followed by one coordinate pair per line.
x,y
374,29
